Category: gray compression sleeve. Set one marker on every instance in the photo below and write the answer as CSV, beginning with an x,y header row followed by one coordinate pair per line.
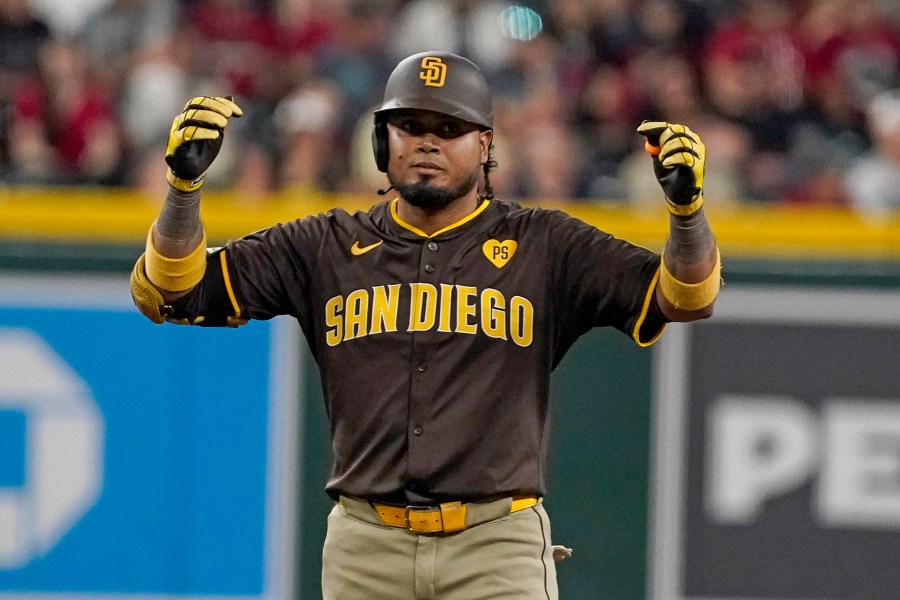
x,y
179,219
690,239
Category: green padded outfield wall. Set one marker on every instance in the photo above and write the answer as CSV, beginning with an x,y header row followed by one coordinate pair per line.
x,y
600,436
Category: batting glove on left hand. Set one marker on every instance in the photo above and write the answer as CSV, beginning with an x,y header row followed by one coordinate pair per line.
x,y
196,138
678,160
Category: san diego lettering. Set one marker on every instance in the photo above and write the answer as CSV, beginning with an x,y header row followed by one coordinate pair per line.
x,y
444,308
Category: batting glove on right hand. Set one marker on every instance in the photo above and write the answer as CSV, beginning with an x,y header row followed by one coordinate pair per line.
x,y
678,160
196,138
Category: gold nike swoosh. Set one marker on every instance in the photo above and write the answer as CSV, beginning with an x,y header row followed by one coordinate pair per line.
x,y
355,249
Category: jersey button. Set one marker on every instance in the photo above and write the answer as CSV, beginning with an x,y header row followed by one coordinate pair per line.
x,y
432,246
422,367
417,431
429,268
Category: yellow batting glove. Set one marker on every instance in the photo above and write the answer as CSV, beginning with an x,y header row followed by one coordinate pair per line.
x,y
678,160
195,139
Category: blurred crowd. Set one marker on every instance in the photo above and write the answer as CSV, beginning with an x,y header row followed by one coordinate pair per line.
x,y
796,100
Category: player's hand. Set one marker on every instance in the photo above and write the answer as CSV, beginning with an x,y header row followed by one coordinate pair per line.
x,y
678,160
196,138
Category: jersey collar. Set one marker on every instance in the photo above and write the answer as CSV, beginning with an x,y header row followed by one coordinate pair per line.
x,y
481,208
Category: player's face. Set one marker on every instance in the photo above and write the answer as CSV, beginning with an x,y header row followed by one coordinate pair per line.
x,y
434,158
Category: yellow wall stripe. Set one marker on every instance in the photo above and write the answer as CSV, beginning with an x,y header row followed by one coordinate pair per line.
x,y
104,215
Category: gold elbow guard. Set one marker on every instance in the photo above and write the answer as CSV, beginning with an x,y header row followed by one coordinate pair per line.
x,y
175,274
145,295
691,296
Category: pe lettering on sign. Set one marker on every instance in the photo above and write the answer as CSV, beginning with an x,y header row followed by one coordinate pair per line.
x,y
761,447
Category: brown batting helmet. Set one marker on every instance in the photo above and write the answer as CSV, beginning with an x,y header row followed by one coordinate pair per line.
x,y
438,81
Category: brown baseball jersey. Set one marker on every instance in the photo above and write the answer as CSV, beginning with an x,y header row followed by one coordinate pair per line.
x,y
435,352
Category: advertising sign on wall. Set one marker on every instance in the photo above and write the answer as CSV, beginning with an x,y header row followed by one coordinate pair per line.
x,y
141,461
777,449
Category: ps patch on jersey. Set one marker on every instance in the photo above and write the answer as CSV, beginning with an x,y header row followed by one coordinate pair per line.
x,y
498,252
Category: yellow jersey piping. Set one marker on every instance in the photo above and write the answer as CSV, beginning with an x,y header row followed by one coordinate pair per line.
x,y
636,333
418,231
228,288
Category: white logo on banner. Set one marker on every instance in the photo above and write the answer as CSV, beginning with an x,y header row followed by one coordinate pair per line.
x,y
63,453
761,447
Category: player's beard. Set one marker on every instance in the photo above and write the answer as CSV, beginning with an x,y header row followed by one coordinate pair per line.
x,y
423,194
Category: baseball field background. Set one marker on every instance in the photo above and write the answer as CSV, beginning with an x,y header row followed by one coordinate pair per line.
x,y
753,456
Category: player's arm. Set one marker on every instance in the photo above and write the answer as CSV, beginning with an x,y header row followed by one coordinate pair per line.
x,y
690,272
175,258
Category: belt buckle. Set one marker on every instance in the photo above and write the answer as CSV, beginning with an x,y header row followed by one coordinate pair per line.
x,y
419,508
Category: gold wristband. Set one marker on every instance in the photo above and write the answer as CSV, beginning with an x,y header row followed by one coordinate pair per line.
x,y
691,296
184,185
175,274
685,210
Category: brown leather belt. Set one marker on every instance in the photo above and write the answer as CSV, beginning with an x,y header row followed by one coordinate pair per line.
x,y
448,517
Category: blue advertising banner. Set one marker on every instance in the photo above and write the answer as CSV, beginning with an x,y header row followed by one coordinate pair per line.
x,y
141,461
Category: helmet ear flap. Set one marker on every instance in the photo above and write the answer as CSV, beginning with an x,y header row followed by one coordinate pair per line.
x,y
380,144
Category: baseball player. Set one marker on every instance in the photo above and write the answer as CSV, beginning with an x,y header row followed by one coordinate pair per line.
x,y
436,319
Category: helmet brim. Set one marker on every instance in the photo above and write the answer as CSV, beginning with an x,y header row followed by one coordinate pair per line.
x,y
439,105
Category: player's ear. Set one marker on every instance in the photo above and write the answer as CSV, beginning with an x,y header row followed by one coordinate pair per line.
x,y
485,139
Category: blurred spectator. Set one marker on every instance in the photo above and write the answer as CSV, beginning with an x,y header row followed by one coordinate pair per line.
x,y
756,48
237,48
305,122
304,28
21,37
67,17
139,55
236,43
63,127
532,112
306,24
470,28
609,118
123,32
153,92
779,90
752,70
570,23
849,45
614,30
850,54
873,181
357,62
547,160
356,58
677,26
545,156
